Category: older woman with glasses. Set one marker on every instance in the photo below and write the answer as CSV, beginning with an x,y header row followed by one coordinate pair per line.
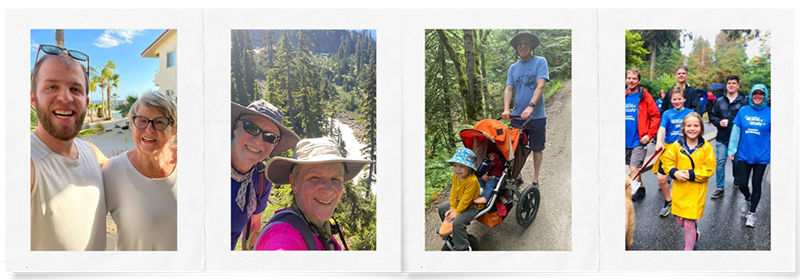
x,y
317,173
141,184
257,134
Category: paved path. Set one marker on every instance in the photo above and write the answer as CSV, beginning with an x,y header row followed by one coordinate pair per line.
x,y
721,227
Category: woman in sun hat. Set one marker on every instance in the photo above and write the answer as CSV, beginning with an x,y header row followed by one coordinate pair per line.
x,y
257,133
316,173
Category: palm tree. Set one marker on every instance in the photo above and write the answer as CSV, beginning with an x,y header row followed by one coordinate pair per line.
x,y
101,77
115,96
113,82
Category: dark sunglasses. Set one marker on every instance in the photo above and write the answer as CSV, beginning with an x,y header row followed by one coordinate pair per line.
x,y
56,50
254,130
160,123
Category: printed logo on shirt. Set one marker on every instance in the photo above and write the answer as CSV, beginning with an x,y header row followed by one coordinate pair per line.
x,y
755,121
752,131
528,81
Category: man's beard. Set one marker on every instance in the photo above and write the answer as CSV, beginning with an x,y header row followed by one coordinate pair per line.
x,y
64,133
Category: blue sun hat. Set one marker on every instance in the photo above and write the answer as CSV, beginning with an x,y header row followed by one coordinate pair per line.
x,y
464,156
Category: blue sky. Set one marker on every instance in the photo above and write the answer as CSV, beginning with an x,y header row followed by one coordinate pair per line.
x,y
123,46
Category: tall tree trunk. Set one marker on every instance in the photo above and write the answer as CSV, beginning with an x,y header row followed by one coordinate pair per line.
x,y
463,88
474,94
482,42
653,58
108,98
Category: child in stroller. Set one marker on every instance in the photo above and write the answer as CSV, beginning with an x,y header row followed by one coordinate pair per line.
x,y
489,174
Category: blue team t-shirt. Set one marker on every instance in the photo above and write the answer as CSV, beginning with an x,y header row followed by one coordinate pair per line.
x,y
523,76
631,120
672,121
755,137
658,102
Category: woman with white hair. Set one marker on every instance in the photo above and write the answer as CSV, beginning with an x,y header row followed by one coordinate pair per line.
x,y
316,173
141,184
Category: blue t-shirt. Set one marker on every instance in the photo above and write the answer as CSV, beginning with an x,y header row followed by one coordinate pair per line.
x,y
523,76
658,102
240,218
755,137
703,98
672,121
631,120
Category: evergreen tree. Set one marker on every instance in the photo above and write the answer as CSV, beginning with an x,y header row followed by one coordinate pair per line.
x,y
309,114
368,118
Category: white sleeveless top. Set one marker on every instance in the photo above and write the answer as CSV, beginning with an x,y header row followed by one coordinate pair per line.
x,y
144,209
68,209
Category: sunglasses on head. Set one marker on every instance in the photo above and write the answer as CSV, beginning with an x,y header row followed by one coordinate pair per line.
x,y
56,50
254,130
160,123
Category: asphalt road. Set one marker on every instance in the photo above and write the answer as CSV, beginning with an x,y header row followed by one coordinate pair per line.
x,y
721,227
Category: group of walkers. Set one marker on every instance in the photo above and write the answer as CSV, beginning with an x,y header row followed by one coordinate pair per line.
x,y
685,157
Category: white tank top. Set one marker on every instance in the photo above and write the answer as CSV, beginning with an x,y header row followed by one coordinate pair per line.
x,y
68,209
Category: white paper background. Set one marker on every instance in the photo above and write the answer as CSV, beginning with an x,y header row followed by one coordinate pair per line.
x,y
590,189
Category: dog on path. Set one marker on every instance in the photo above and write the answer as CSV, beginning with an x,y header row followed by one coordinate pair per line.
x,y
630,215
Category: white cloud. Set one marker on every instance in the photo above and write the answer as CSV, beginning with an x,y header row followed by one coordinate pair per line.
x,y
114,37
34,46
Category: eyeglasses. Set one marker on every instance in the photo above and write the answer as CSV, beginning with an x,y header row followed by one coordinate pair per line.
x,y
523,44
56,50
254,130
160,123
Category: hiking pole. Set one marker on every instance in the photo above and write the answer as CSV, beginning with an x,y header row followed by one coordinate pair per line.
x,y
642,169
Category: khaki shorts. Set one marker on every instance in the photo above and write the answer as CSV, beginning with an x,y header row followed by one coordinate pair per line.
x,y
635,156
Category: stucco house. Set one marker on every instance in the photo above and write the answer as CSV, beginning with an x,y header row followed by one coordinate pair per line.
x,y
165,48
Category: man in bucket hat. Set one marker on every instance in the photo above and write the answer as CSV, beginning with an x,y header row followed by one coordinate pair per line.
x,y
257,133
316,173
525,83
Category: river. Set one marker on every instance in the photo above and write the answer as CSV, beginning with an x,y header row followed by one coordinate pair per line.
x,y
353,148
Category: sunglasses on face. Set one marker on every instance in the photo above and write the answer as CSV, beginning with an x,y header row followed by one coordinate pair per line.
x,y
56,50
254,130
160,123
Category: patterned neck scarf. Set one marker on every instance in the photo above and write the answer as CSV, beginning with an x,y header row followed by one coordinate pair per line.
x,y
246,186
323,233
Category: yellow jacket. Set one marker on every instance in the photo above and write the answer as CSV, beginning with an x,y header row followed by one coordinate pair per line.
x,y
464,192
689,197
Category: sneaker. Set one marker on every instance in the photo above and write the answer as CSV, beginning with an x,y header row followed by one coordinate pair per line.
x,y
639,195
745,206
665,211
751,220
718,193
535,184
735,186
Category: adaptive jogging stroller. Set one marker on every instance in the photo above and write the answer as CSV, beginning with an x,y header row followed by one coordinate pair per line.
x,y
492,136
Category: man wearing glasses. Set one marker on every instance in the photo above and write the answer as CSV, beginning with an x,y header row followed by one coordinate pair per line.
x,y
526,80
68,210
257,134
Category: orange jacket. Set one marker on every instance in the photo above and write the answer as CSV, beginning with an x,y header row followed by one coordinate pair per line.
x,y
649,117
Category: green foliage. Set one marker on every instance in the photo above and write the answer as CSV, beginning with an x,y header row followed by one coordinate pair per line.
x,y
634,52
446,107
310,88
124,109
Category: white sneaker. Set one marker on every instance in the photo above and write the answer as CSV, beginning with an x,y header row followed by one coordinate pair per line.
x,y
745,206
751,220
635,186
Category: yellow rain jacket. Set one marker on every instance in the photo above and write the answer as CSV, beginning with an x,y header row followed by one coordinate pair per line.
x,y
689,197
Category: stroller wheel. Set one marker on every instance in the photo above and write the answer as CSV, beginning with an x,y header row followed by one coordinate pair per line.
x,y
528,206
473,243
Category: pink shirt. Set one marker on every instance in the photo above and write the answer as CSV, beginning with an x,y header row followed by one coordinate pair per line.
x,y
285,237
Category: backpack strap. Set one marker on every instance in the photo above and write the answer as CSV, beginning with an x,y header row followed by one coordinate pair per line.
x,y
261,189
296,222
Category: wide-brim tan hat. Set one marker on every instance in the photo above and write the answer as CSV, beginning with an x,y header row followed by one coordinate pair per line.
x,y
312,151
525,34
264,109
